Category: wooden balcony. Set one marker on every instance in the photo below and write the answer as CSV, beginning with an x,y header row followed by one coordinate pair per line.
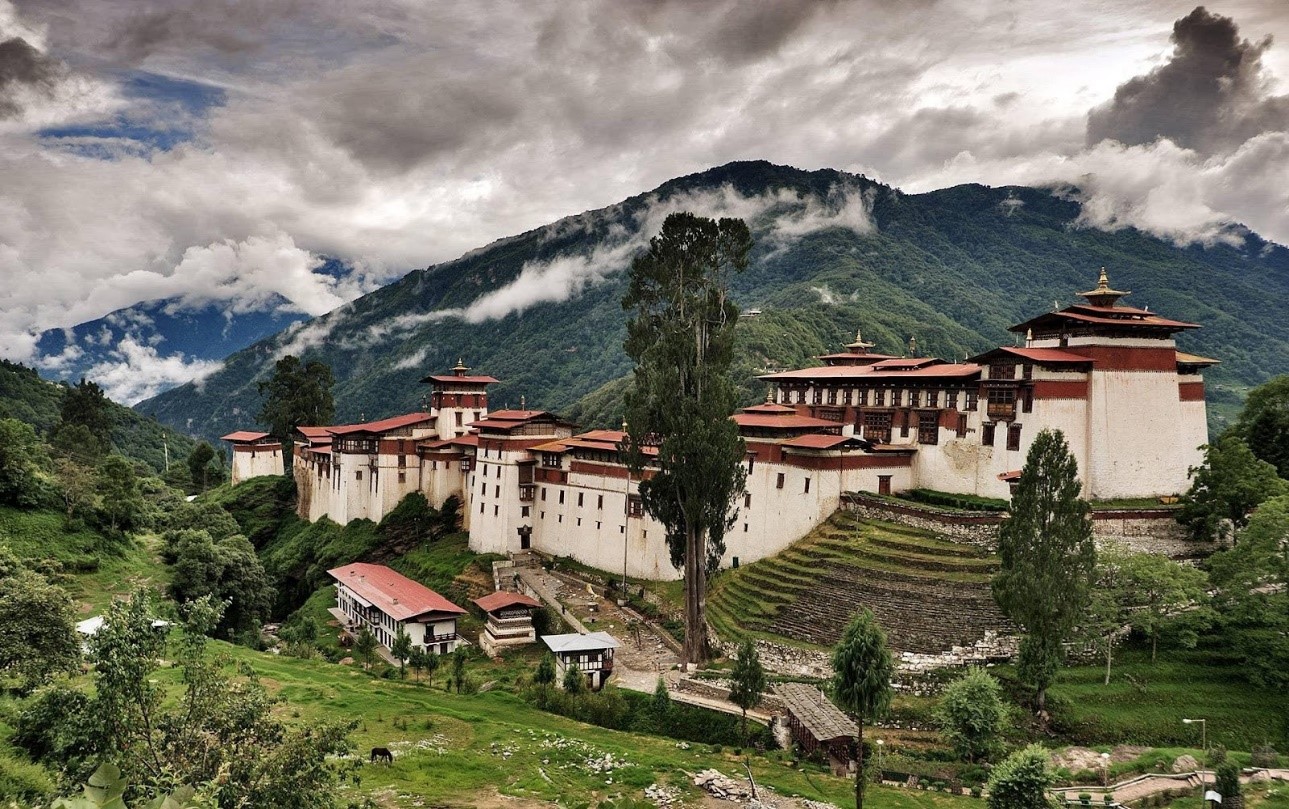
x,y
1001,411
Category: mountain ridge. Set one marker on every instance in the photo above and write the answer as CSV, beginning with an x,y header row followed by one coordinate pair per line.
x,y
835,251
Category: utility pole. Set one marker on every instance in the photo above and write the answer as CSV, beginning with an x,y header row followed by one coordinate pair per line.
x,y
165,446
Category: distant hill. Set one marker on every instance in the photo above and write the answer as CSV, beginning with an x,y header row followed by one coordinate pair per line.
x,y
27,397
198,335
834,252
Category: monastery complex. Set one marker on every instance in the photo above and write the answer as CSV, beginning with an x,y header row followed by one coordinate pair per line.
x,y
1107,375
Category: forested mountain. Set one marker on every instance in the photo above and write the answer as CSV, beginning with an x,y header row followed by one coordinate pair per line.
x,y
835,252
28,398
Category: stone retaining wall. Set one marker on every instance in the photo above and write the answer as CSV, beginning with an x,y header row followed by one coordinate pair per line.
x,y
719,690
1149,530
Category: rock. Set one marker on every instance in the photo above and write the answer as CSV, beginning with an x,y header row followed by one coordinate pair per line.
x,y
1185,763
346,661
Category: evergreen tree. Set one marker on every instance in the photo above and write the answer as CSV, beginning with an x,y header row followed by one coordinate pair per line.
x,y
401,650
458,668
545,674
86,405
1226,488
660,705
432,663
417,659
1048,559
121,503
681,340
747,680
365,645
574,682
862,671
199,464
298,394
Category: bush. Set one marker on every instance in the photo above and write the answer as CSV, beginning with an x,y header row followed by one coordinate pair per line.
x,y
1228,784
1216,755
23,781
966,502
971,714
1021,781
1264,755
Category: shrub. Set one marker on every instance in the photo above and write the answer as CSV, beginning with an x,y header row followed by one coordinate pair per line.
x,y
1264,755
23,781
1021,781
1228,784
1216,755
971,714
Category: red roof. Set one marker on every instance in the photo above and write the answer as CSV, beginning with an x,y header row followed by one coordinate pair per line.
x,y
907,362
510,419
822,441
1010,477
501,599
464,380
856,358
864,372
1047,356
768,407
785,422
390,591
1194,359
1118,317
244,437
315,433
384,425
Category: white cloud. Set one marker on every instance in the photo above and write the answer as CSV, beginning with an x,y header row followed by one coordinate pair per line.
x,y
133,372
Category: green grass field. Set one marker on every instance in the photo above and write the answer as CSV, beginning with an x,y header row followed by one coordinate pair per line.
x,y
459,750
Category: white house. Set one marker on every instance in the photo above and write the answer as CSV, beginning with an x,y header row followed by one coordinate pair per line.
x,y
510,620
385,600
592,653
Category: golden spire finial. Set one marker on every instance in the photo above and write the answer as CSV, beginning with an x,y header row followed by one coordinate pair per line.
x,y
523,402
460,368
1104,295
1104,281
913,345
769,395
1029,336
624,424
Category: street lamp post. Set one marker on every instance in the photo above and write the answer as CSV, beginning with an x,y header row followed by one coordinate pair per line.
x,y
1203,730
880,745
1105,770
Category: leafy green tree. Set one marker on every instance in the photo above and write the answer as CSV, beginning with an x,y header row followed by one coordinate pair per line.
x,y
38,639
76,485
545,674
106,789
77,442
199,464
85,405
681,339
1160,593
1048,559
401,650
1021,781
22,457
747,680
574,682
432,663
1226,488
972,714
458,668
862,670
298,394
1103,621
121,504
228,571
417,659
1252,601
43,731
1264,423
365,645
220,732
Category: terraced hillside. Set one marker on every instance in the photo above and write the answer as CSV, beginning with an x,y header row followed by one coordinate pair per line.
x,y
927,592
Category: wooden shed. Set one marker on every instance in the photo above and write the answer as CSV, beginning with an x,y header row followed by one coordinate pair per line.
x,y
815,723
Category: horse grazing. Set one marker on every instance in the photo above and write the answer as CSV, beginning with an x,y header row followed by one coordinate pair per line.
x,y
382,754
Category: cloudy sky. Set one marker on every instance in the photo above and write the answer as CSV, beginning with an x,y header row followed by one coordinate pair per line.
x,y
212,150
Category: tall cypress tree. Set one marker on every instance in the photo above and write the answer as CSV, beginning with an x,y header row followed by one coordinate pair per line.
x,y
1048,559
298,394
681,339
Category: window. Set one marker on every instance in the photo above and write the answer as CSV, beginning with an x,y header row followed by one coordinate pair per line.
x,y
904,419
817,396
951,400
1002,371
483,487
358,475
747,499
877,427
402,477
579,522
543,494
779,483
987,435
863,397
897,398
481,508
496,510
1028,370
402,460
879,398
497,492
460,418
1013,437
933,398
523,511
561,497
928,428
915,398
832,396
801,396
845,396
579,499
962,424
1027,399
751,463
600,502
973,399
807,489
635,506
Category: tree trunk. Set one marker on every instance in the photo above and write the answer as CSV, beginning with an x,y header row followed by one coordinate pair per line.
x,y
1109,650
695,598
859,763
1040,701
1154,645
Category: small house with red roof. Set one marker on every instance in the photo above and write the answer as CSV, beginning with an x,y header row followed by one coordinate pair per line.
x,y
254,454
385,601
509,620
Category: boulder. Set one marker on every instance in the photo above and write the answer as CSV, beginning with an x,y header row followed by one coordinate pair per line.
x,y
1185,763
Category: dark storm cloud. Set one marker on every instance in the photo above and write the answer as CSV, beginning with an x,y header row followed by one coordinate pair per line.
x,y
1212,95
22,66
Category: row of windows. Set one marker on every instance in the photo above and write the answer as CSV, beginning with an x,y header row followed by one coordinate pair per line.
x,y
860,397
1013,435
